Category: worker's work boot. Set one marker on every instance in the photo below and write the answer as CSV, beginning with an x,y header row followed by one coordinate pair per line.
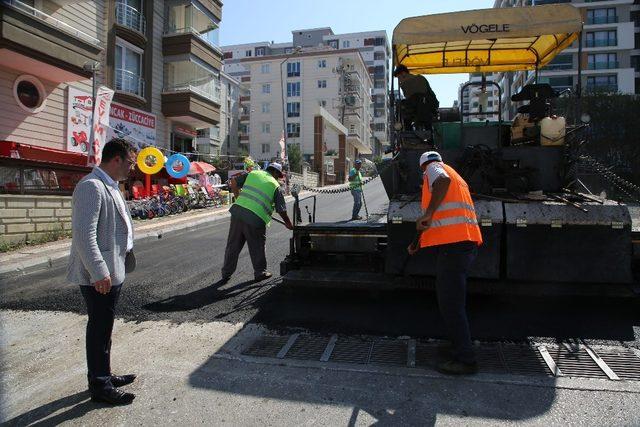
x,y
456,367
264,276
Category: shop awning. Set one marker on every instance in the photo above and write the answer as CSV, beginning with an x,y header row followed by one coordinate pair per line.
x,y
32,153
485,40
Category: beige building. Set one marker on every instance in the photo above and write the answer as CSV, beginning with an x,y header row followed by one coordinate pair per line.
x,y
161,58
610,52
287,91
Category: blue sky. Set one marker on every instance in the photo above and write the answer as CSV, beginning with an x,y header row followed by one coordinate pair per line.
x,y
247,21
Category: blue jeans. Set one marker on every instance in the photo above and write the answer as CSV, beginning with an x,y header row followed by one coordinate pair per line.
x,y
453,263
357,202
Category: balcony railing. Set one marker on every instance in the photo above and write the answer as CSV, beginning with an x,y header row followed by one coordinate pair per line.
x,y
129,17
129,82
602,20
210,90
602,43
191,30
552,67
51,21
603,65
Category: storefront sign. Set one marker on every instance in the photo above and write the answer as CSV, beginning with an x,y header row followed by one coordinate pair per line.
x,y
187,132
100,124
136,126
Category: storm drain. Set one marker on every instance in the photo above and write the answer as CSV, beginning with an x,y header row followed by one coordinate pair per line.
x,y
571,360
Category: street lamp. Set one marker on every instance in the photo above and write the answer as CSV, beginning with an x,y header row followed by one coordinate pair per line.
x,y
284,105
92,67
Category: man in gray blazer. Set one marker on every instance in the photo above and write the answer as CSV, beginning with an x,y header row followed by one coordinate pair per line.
x,y
101,254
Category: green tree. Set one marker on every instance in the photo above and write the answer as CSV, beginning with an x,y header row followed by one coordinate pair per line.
x,y
295,157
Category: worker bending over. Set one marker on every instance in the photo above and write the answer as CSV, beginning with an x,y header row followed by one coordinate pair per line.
x,y
449,224
258,194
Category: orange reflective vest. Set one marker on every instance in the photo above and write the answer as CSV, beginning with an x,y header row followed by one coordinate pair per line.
x,y
455,219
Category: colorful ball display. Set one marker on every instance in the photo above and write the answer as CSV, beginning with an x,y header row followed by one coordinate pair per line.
x,y
178,166
150,160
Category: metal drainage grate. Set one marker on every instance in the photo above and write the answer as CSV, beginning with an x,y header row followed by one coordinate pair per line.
x,y
625,363
266,346
352,351
308,347
575,360
389,352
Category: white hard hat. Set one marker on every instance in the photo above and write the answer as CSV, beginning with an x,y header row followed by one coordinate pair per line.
x,y
276,166
429,156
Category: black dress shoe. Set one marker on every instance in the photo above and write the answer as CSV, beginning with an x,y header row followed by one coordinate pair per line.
x,y
113,396
263,276
122,380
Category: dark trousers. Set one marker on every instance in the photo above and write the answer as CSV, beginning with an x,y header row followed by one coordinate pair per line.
x,y
101,310
357,202
453,265
255,237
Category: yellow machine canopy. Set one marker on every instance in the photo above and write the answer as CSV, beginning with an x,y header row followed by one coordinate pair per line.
x,y
485,40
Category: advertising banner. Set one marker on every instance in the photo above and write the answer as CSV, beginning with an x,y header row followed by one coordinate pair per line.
x,y
101,111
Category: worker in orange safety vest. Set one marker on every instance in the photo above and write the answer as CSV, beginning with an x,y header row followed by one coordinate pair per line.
x,y
450,225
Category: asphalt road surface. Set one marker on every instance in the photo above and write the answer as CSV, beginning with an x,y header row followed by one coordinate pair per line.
x,y
177,280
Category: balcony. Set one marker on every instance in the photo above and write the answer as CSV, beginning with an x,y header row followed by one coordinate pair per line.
x,y
129,83
131,18
596,20
603,65
601,43
37,43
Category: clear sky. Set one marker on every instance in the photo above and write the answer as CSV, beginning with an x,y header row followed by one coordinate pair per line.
x,y
248,21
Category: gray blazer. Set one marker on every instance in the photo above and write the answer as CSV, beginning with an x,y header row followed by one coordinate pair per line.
x,y
99,239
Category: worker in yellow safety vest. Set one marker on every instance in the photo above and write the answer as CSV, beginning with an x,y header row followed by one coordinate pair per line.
x,y
258,194
449,224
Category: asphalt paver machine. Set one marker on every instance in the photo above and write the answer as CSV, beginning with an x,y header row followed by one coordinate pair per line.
x,y
543,232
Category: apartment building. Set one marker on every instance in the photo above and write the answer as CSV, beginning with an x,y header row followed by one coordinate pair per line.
x,y
223,138
476,100
374,51
610,52
287,92
160,57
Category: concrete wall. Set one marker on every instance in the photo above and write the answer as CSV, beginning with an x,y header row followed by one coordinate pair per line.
x,y
307,178
32,217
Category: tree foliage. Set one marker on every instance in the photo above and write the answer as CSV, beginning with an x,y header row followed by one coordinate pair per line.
x,y
295,158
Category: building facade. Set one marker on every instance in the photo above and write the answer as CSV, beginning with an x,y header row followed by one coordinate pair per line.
x,y
311,46
610,52
477,103
160,57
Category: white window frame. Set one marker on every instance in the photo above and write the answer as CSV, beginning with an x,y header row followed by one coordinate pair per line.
x,y
41,92
247,53
346,44
322,63
266,107
292,94
322,84
267,146
265,68
260,51
135,49
266,88
266,127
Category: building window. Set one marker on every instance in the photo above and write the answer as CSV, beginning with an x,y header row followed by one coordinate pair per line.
x,y
293,130
266,88
322,63
187,18
260,51
603,61
378,84
561,83
293,89
602,83
293,109
228,55
265,68
379,41
128,68
322,84
378,56
29,93
293,69
602,16
266,148
288,50
333,43
380,127
266,107
266,127
129,14
322,103
346,44
602,38
561,62
247,53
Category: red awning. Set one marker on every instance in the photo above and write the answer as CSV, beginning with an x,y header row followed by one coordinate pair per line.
x,y
19,151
